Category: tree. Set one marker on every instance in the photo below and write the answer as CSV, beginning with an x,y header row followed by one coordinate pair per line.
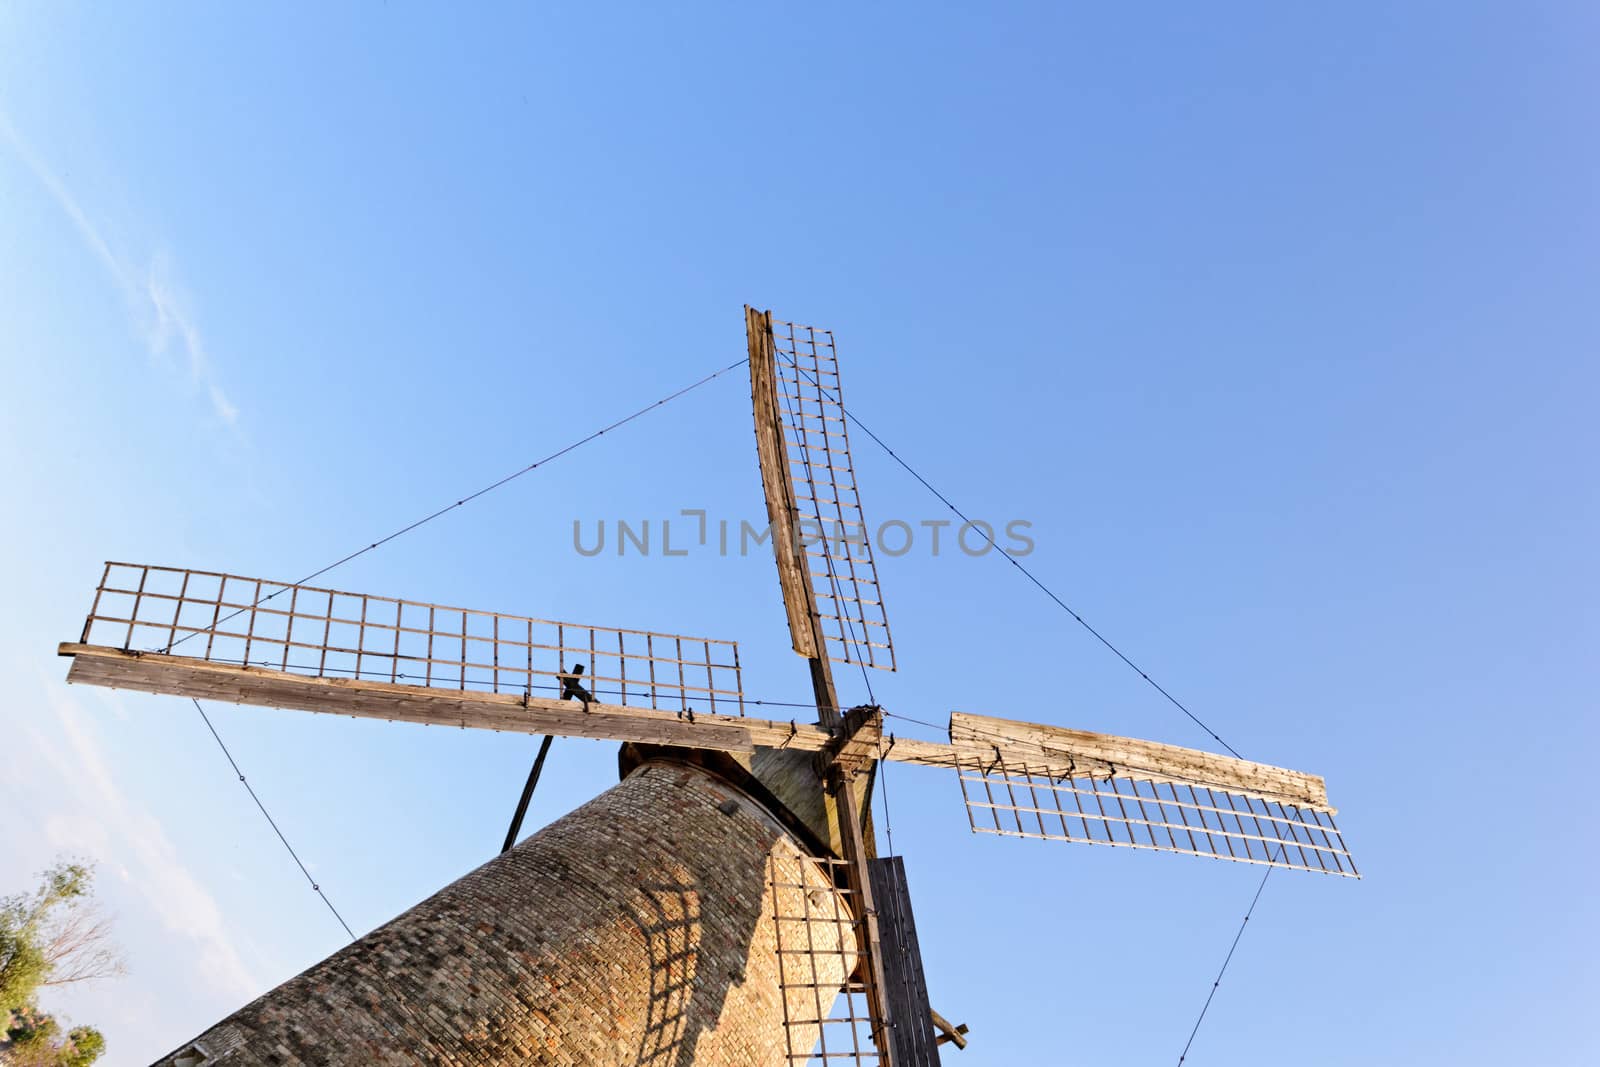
x,y
53,936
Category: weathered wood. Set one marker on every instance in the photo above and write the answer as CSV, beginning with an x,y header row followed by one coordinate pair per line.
x,y
794,579
1059,752
848,784
178,675
884,1020
847,795
855,742
954,1034
905,985
155,673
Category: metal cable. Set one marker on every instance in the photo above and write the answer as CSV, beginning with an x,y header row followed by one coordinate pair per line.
x,y
1207,1006
1046,590
418,1025
883,782
473,496
1174,701
316,887
270,820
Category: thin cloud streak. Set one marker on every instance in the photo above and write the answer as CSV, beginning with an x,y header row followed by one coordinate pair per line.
x,y
143,853
151,296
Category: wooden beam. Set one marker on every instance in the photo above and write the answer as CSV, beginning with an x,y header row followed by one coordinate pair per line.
x,y
870,965
181,676
955,1034
794,577
1059,752
1051,749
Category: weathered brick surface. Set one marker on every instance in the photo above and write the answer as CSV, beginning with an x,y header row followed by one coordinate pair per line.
x,y
636,930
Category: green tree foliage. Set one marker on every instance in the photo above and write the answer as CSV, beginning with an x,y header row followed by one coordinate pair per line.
x,y
51,936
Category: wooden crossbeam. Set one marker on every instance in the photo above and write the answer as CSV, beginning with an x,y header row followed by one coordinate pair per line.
x,y
181,676
975,738
1059,752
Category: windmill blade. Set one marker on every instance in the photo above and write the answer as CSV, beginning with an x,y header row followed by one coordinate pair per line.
x,y
819,533
209,635
1025,780
819,936
206,634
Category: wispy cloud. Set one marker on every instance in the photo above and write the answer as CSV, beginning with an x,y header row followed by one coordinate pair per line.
x,y
161,307
99,819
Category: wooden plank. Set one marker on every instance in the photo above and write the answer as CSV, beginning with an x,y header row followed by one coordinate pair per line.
x,y
241,685
906,987
926,753
1060,752
799,599
180,676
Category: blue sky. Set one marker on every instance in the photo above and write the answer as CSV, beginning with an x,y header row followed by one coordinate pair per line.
x,y
1279,326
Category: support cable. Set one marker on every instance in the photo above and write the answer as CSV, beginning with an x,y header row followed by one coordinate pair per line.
x,y
418,1025
883,783
1174,701
893,455
1046,590
470,497
316,888
1229,959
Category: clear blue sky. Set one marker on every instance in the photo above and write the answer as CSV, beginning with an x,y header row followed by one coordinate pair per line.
x,y
1278,325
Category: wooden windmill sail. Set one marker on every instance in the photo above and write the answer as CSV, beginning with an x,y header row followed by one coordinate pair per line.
x,y
830,919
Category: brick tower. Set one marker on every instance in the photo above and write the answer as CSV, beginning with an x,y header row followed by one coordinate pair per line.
x,y
636,931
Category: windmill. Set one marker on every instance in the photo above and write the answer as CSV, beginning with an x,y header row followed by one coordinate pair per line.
x,y
736,863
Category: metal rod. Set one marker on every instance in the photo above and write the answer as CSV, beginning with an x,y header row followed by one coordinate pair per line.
x,y
527,793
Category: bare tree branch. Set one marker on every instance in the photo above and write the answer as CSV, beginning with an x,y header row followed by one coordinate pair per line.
x,y
78,947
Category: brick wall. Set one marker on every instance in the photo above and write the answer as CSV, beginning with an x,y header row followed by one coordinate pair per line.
x,y
635,931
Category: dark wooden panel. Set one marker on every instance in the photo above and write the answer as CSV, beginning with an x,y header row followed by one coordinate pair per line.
x,y
905,987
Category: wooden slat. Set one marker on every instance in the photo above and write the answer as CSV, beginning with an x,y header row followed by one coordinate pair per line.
x,y
906,987
1059,752
180,676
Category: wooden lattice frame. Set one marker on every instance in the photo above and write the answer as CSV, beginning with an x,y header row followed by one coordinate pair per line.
x,y
1122,810
328,633
817,930
833,530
